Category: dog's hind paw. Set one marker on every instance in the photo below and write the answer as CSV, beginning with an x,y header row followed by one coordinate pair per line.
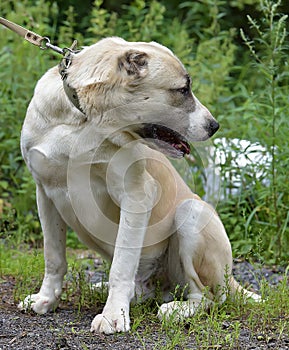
x,y
38,303
110,324
179,310
174,311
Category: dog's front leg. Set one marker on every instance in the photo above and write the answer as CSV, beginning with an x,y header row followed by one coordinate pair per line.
x,y
134,220
54,231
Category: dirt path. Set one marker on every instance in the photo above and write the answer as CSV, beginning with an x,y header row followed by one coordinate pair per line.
x,y
69,329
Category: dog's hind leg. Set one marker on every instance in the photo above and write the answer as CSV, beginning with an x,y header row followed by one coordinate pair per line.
x,y
54,231
204,256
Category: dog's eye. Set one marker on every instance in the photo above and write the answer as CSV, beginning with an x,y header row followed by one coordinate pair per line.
x,y
184,90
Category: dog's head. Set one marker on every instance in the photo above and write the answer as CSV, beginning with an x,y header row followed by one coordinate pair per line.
x,y
141,89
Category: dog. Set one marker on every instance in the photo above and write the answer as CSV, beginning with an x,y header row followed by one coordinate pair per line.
x,y
96,138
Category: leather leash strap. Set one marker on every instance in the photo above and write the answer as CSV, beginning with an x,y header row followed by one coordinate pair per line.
x,y
41,41
28,35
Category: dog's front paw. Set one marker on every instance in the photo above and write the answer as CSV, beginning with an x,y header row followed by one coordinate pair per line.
x,y
38,303
109,323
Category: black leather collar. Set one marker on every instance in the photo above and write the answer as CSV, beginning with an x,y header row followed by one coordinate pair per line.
x,y
65,63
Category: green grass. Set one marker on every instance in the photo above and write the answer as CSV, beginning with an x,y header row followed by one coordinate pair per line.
x,y
220,327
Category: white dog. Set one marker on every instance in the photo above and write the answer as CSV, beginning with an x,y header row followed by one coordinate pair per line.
x,y
94,138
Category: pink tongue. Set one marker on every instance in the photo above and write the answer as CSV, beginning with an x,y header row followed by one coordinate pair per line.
x,y
186,148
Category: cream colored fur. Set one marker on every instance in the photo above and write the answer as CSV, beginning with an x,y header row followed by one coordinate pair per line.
x,y
96,174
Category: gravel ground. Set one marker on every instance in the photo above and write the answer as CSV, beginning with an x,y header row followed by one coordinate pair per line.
x,y
68,329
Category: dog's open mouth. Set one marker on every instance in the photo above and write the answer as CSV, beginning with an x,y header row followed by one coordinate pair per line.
x,y
167,140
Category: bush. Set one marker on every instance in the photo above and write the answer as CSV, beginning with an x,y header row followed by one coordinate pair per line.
x,y
263,211
243,81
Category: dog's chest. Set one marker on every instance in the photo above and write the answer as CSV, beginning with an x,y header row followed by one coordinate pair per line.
x,y
79,192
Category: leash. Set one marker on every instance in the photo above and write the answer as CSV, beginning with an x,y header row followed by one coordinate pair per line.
x,y
43,42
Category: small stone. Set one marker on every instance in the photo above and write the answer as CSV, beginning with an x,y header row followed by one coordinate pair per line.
x,y
225,325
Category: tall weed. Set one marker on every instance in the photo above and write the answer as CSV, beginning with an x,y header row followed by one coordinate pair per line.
x,y
262,212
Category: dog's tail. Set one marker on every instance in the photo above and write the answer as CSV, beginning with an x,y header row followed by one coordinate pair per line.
x,y
235,287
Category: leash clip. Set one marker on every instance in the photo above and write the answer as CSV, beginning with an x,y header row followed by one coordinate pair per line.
x,y
45,44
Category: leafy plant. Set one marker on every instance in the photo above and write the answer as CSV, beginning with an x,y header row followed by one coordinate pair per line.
x,y
261,209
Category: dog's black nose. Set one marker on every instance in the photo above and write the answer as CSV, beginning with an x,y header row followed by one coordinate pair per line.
x,y
212,127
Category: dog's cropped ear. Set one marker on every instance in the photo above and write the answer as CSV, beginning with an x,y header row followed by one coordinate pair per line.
x,y
134,63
